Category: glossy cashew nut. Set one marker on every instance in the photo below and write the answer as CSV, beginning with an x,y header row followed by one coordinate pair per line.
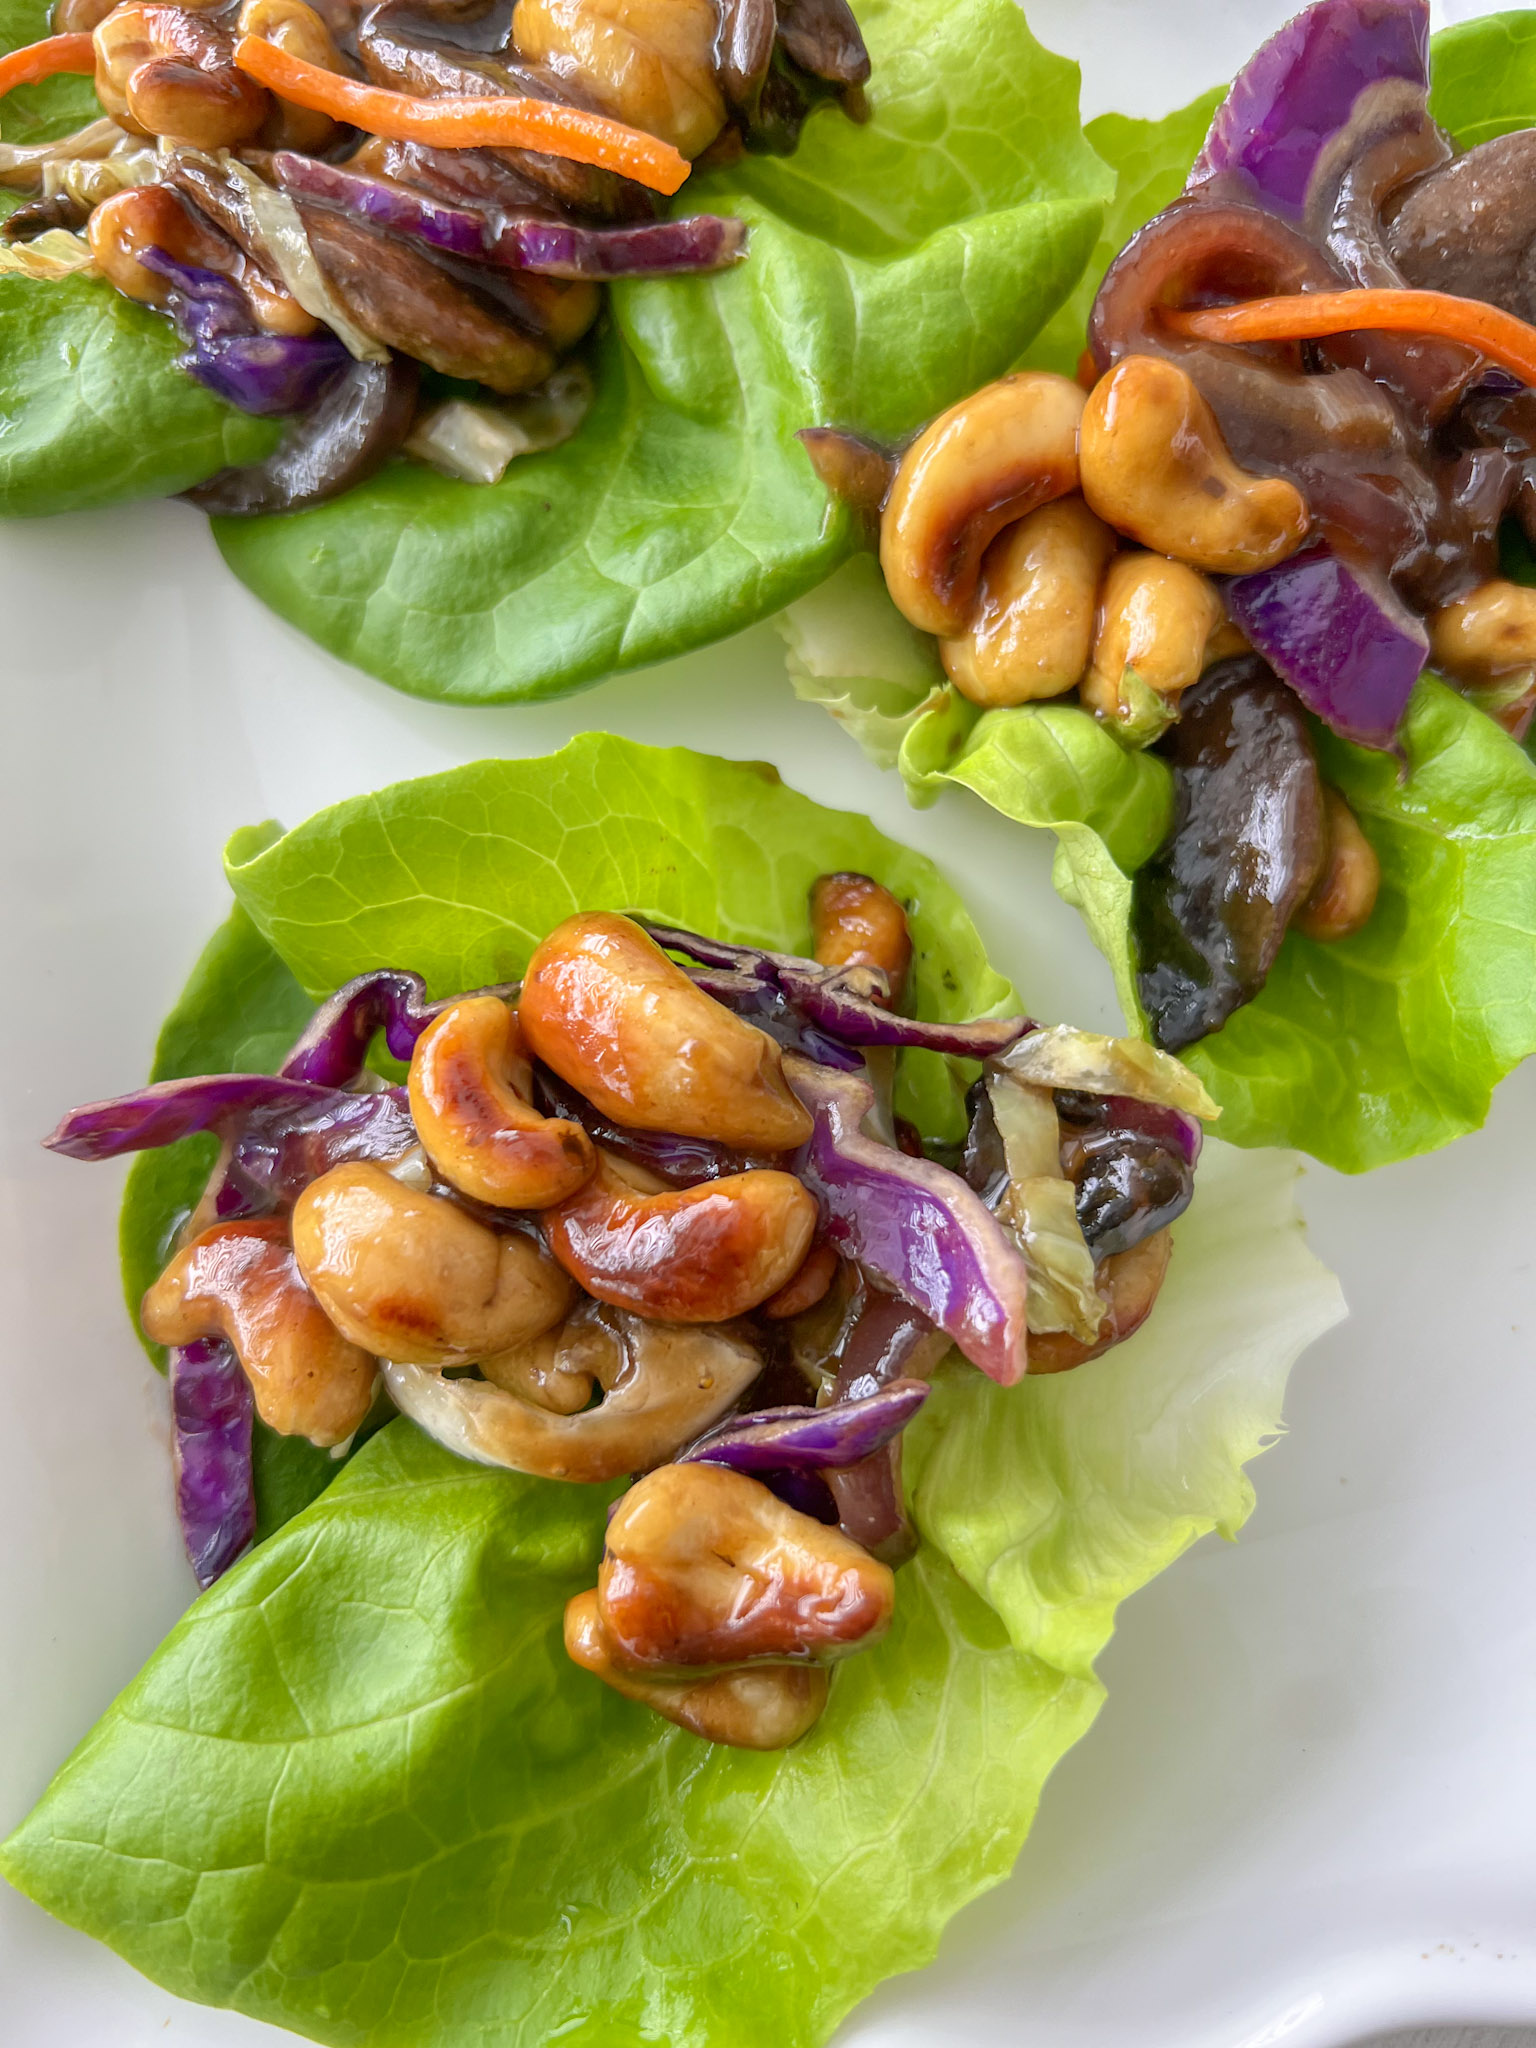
x,y
988,461
650,62
297,28
1155,467
704,1567
686,1255
1031,627
857,923
412,1276
154,217
766,1706
557,1370
1489,634
604,1006
469,1085
1156,618
168,71
1346,890
805,1287
1129,1283
239,1281
664,1384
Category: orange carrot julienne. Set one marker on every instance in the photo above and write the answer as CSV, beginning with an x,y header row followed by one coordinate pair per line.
x,y
1308,316
453,123
45,59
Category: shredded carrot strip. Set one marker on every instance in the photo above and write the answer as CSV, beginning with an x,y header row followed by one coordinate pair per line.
x,y
42,60
451,123
1307,316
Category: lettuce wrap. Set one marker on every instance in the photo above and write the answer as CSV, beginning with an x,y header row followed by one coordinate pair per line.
x,y
1367,1050
360,1791
891,267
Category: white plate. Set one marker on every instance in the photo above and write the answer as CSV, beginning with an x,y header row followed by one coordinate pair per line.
x,y
1309,1807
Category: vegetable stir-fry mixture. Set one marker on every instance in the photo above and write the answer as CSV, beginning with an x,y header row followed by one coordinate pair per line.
x,y
1301,429
642,1217
325,198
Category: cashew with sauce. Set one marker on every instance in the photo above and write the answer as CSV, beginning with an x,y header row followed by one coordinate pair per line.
x,y
1345,892
412,1276
154,217
240,1281
997,455
704,1567
293,26
167,71
650,62
1031,628
1487,635
604,1006
763,1706
471,1086
805,1287
664,1384
1155,467
684,1255
1156,619
857,923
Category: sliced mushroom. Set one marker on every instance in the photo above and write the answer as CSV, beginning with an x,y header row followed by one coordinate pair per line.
x,y
663,1385
353,431
1470,227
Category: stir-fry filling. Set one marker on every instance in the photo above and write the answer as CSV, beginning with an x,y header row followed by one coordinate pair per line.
x,y
654,1215
326,198
1303,423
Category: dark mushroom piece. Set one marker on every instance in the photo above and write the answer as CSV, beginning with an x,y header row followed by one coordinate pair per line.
x,y
1248,840
744,50
355,428
823,38
1470,226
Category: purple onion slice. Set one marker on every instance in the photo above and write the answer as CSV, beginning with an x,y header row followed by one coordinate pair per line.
x,y
335,1042
911,1224
1337,67
1339,636
212,1409
811,1439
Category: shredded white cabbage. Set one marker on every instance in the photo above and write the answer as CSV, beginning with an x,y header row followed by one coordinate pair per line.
x,y
93,179
98,139
476,443
1039,1212
48,256
1064,1058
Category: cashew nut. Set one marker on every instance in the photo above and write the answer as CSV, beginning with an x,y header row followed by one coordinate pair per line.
x,y
413,1276
1129,1283
1346,890
767,1706
1155,466
857,923
239,1281
554,1371
604,1006
705,1567
1156,620
651,62
297,28
804,1288
987,461
1032,624
1487,635
144,217
664,1384
469,1085
685,1255
167,71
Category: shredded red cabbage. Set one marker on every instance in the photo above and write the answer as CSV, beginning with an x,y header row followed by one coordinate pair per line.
x,y
265,374
335,1042
811,1439
212,1409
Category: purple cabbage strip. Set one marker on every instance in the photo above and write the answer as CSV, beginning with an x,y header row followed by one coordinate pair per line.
x,y
215,1499
274,1158
164,1111
702,242
335,1042
1339,636
811,1439
823,999
265,374
911,1224
681,1162
1319,75
764,1004
1174,1128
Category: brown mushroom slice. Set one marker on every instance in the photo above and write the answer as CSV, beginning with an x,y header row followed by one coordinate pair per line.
x,y
1469,228
663,1384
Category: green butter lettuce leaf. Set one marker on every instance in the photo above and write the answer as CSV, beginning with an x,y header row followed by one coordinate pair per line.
x,y
1375,1049
360,1791
892,267
93,409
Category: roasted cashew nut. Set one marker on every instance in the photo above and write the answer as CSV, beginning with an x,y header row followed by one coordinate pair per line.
x,y
144,217
664,1384
1488,634
705,1568
988,461
1156,619
412,1276
604,1006
764,1706
239,1281
469,1085
650,62
166,71
857,923
1344,894
1155,467
685,1255
292,26
1031,626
